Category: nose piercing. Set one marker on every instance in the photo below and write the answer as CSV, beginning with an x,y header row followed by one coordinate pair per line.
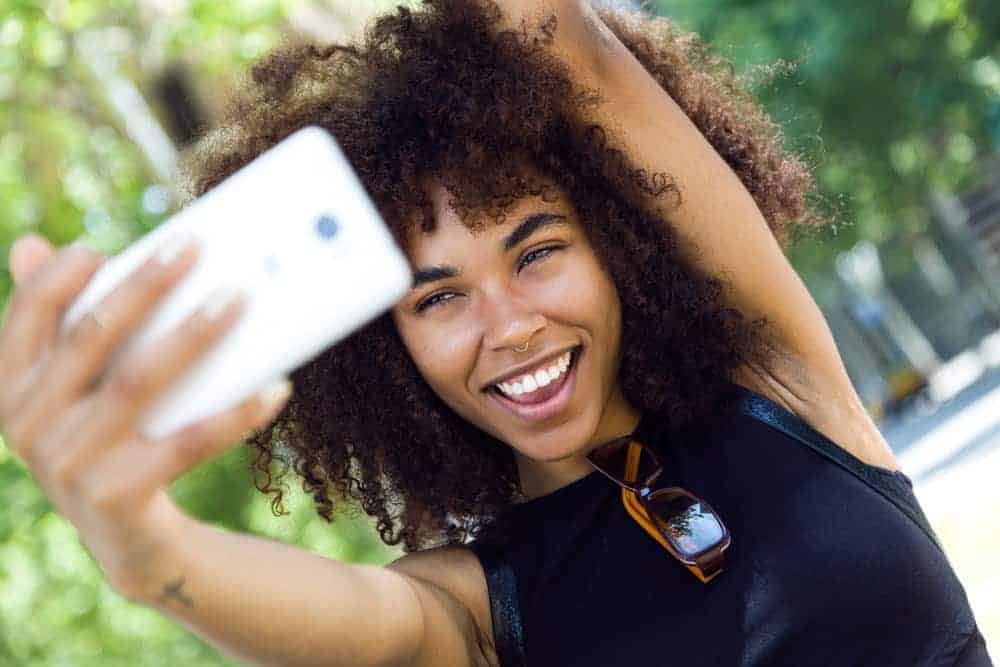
x,y
523,348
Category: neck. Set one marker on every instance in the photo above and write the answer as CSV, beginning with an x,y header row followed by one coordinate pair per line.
x,y
540,478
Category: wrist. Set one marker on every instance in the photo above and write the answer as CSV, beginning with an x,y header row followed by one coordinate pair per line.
x,y
147,572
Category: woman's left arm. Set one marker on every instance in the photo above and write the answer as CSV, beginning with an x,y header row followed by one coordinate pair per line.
x,y
717,223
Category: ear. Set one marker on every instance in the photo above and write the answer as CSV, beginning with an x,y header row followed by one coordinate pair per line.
x,y
28,254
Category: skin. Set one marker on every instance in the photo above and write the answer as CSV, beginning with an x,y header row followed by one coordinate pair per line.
x,y
467,338
563,300
72,417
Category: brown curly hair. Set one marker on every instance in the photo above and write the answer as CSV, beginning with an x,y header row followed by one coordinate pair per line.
x,y
443,92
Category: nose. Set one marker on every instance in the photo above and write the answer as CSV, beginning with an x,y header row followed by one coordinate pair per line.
x,y
511,323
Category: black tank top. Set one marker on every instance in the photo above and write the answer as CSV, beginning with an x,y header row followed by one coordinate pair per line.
x,y
832,561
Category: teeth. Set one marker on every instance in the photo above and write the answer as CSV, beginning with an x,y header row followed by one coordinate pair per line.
x,y
529,382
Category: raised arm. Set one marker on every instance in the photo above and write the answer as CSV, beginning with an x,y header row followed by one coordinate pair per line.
x,y
718,223
258,600
267,603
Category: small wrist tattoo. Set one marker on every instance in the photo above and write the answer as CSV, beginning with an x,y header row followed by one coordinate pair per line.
x,y
173,590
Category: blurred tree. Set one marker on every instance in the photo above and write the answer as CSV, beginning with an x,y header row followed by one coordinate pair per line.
x,y
70,168
890,99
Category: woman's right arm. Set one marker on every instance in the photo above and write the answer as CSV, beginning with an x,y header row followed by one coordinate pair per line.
x,y
267,603
70,414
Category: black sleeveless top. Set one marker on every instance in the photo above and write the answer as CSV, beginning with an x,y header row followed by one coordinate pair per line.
x,y
832,561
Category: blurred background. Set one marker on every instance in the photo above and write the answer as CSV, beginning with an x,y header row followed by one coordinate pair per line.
x,y
895,103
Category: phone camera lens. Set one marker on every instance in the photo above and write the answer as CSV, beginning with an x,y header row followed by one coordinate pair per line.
x,y
327,226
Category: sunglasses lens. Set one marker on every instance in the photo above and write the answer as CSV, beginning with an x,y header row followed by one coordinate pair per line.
x,y
689,524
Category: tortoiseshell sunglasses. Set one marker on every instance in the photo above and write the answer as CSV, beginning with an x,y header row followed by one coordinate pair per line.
x,y
685,525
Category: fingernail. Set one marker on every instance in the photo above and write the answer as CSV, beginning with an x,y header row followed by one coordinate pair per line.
x,y
173,248
31,235
278,391
78,246
220,300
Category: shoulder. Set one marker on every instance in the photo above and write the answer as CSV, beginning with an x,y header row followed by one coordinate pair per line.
x,y
824,399
455,573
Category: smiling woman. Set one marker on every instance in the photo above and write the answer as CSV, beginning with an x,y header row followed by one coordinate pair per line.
x,y
536,281
609,280
565,297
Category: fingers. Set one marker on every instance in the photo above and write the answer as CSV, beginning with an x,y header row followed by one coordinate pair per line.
x,y
46,291
132,472
81,355
57,455
140,376
203,440
27,254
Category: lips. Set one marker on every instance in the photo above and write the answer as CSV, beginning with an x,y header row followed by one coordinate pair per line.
x,y
541,394
547,364
545,401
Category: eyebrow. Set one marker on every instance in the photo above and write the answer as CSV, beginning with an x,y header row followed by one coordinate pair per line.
x,y
528,226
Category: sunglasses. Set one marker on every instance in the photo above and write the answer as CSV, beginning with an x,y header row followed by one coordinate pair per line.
x,y
683,523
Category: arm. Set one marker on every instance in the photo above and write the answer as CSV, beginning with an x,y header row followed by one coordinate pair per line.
x,y
266,603
718,225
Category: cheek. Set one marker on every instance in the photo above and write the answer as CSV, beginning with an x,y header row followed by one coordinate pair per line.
x,y
444,356
584,292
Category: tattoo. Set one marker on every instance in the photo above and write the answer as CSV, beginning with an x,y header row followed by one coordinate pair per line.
x,y
174,590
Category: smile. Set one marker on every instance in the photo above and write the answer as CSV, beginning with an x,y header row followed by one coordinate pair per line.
x,y
529,383
544,401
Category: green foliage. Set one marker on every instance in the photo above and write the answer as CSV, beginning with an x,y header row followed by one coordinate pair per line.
x,y
57,608
890,99
69,171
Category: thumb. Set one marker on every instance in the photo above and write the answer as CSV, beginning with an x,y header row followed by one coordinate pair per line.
x,y
27,254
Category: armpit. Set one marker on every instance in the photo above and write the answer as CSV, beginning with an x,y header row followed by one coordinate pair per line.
x,y
830,405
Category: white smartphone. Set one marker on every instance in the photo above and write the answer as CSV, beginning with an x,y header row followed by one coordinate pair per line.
x,y
296,229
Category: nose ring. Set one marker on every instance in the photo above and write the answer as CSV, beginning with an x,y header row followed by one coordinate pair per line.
x,y
523,348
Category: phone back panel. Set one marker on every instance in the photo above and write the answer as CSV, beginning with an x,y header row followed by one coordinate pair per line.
x,y
294,228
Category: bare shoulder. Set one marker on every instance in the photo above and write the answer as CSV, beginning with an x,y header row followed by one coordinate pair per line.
x,y
455,575
825,400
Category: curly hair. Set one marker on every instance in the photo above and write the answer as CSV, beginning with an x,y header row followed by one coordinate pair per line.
x,y
442,91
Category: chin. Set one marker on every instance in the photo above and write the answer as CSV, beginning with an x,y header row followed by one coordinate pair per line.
x,y
557,444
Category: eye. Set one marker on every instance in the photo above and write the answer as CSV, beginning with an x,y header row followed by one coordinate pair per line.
x,y
536,253
431,301
529,258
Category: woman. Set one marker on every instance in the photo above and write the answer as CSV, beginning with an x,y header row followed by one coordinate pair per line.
x,y
563,299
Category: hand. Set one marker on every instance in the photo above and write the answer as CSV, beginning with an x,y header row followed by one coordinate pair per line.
x,y
73,420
